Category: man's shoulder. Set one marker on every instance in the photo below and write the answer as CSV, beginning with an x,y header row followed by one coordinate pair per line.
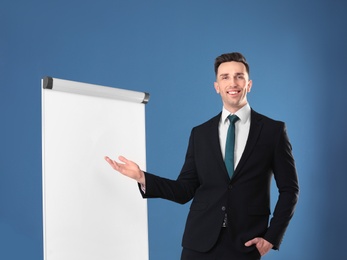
x,y
263,118
214,121
258,116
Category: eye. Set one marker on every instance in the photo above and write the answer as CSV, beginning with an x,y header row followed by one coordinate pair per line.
x,y
240,77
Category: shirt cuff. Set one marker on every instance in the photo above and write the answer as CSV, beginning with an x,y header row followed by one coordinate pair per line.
x,y
143,188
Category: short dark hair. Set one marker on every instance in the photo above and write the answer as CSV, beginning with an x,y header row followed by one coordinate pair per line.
x,y
233,56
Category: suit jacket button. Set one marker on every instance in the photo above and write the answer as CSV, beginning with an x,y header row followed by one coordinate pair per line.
x,y
223,208
230,186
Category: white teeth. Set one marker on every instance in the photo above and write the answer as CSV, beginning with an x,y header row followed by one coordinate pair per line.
x,y
233,92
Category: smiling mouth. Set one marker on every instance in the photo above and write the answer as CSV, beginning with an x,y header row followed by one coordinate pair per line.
x,y
233,92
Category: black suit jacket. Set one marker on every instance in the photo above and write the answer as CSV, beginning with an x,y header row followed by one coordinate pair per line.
x,y
245,198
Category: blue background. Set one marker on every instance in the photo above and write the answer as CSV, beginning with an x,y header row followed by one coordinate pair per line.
x,y
298,57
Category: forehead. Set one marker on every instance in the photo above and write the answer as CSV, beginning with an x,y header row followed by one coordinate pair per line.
x,y
232,67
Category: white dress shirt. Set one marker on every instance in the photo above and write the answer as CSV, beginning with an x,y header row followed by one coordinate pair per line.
x,y
241,131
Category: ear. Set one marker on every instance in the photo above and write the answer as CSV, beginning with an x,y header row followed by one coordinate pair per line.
x,y
249,85
216,87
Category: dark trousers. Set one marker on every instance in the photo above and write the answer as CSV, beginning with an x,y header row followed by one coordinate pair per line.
x,y
223,250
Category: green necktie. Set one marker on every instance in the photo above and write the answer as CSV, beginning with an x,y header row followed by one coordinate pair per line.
x,y
230,145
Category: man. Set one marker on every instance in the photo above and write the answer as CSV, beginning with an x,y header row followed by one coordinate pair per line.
x,y
229,215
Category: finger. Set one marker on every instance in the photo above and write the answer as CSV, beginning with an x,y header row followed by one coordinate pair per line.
x,y
123,159
109,160
251,242
112,163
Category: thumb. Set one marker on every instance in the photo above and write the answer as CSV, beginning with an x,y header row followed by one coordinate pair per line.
x,y
123,159
251,242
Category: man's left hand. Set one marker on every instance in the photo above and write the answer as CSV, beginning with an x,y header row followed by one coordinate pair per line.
x,y
262,245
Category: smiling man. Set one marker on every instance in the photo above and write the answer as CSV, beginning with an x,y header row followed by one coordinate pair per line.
x,y
228,168
233,84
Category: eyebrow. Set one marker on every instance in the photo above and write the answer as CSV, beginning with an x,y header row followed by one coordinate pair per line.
x,y
236,74
224,74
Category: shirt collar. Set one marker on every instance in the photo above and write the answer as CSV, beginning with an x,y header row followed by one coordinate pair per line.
x,y
243,113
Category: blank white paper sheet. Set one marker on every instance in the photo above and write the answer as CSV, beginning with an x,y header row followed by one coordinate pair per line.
x,y
90,211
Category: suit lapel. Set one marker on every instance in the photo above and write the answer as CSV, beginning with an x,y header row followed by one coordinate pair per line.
x,y
215,143
254,131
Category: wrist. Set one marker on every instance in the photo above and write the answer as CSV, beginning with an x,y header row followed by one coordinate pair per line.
x,y
142,179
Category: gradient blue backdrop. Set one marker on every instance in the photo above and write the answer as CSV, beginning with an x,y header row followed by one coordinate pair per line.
x,y
297,53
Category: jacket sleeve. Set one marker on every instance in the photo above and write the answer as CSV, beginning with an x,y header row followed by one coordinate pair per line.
x,y
181,190
287,183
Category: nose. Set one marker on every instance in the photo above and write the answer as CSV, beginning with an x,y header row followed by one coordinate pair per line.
x,y
233,81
